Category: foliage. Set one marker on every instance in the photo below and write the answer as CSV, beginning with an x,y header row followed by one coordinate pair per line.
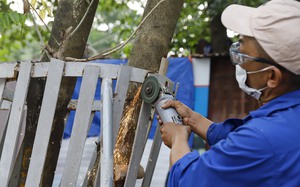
x,y
8,18
215,7
192,26
115,20
194,22
18,37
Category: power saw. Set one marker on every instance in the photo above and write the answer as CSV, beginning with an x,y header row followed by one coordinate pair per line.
x,y
156,90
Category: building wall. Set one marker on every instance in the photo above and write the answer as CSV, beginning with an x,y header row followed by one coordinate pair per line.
x,y
226,99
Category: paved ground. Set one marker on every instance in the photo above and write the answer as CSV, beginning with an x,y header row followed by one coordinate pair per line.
x,y
159,175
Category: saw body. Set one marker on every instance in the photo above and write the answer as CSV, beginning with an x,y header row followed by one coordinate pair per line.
x,y
157,90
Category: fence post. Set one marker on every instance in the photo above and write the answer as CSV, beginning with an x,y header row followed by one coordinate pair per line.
x,y
106,179
14,124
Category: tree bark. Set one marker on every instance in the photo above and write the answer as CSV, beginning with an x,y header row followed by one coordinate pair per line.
x,y
151,44
219,40
68,15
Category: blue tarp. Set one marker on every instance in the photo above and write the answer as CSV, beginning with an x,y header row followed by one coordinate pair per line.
x,y
179,70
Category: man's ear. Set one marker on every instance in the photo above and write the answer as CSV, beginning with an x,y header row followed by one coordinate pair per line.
x,y
274,77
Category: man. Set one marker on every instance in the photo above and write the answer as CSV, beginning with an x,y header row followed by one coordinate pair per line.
x,y
263,149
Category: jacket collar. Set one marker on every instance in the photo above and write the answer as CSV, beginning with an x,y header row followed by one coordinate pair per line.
x,y
282,102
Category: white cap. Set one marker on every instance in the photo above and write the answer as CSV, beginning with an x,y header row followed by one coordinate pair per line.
x,y
275,25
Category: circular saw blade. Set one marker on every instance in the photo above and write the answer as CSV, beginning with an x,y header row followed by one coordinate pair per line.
x,y
150,89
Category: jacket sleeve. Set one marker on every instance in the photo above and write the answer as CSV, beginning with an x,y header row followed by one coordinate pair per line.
x,y
242,159
220,131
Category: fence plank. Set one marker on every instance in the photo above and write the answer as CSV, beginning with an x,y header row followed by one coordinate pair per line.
x,y
8,94
80,126
97,105
153,156
3,129
2,87
9,69
139,145
75,69
91,170
119,99
13,128
45,121
157,140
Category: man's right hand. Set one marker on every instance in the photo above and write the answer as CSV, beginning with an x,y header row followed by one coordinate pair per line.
x,y
198,123
184,111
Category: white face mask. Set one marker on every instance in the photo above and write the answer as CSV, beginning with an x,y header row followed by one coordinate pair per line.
x,y
241,76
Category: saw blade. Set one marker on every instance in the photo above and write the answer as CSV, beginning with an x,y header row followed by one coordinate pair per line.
x,y
150,89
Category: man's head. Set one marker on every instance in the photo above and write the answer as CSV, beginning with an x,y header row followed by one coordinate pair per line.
x,y
269,34
275,25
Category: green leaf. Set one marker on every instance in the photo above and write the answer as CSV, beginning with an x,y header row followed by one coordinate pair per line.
x,y
5,20
10,18
43,13
14,17
47,8
33,2
22,18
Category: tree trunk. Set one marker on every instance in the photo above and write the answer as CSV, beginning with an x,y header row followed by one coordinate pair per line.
x,y
151,44
68,15
219,40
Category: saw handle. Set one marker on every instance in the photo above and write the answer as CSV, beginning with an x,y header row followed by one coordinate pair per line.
x,y
168,114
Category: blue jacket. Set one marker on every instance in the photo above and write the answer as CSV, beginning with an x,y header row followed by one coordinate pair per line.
x,y
263,149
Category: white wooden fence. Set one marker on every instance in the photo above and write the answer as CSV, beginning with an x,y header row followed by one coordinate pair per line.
x,y
111,106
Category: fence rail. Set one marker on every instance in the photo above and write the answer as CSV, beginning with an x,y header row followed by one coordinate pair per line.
x,y
111,106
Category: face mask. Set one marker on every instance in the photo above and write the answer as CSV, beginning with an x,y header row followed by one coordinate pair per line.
x,y
241,76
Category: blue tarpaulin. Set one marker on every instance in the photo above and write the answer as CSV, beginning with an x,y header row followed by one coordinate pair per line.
x,y
179,70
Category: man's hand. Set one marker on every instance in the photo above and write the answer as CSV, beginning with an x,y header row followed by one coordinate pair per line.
x,y
173,133
184,111
198,123
175,136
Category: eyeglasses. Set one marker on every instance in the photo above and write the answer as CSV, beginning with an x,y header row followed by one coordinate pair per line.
x,y
239,58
